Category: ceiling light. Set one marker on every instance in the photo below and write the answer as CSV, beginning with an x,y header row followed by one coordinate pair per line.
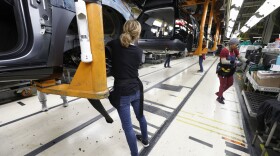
x,y
230,24
253,21
268,7
233,14
234,11
228,34
244,29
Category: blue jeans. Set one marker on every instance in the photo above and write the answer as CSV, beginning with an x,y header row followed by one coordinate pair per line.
x,y
124,113
200,63
167,62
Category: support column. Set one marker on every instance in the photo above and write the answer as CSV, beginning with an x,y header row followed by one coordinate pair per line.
x,y
268,28
216,38
210,23
198,51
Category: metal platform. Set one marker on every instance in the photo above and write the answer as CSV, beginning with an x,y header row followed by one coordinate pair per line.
x,y
261,88
254,100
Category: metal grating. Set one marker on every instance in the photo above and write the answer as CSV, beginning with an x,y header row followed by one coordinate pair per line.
x,y
255,100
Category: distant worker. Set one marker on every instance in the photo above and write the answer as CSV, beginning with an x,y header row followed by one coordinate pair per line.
x,y
201,58
227,66
128,88
167,59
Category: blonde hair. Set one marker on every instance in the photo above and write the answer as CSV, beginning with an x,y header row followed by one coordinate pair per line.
x,y
131,32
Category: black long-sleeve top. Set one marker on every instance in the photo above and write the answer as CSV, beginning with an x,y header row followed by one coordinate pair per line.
x,y
125,65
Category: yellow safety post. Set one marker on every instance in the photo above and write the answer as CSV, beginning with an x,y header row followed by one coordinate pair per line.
x,y
216,38
198,51
209,26
90,79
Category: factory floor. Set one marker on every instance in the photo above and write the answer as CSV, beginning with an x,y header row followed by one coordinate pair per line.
x,y
183,116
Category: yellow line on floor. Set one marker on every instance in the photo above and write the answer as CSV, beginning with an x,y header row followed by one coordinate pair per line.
x,y
232,137
212,126
214,120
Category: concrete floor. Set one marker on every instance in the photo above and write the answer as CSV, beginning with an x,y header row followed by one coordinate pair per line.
x,y
183,118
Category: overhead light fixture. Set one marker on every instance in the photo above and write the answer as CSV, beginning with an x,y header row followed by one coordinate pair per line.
x,y
234,11
244,29
268,7
230,24
228,34
252,21
233,14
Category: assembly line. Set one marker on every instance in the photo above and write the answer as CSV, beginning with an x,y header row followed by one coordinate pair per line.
x,y
140,77
164,97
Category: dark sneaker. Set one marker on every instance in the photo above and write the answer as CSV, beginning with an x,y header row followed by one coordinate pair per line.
x,y
109,120
144,142
218,95
220,100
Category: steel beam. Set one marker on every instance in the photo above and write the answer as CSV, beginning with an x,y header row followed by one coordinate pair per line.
x,y
216,38
198,51
268,28
210,22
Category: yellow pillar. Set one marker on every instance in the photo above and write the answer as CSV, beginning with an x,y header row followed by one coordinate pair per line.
x,y
198,51
216,41
90,79
97,69
210,22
